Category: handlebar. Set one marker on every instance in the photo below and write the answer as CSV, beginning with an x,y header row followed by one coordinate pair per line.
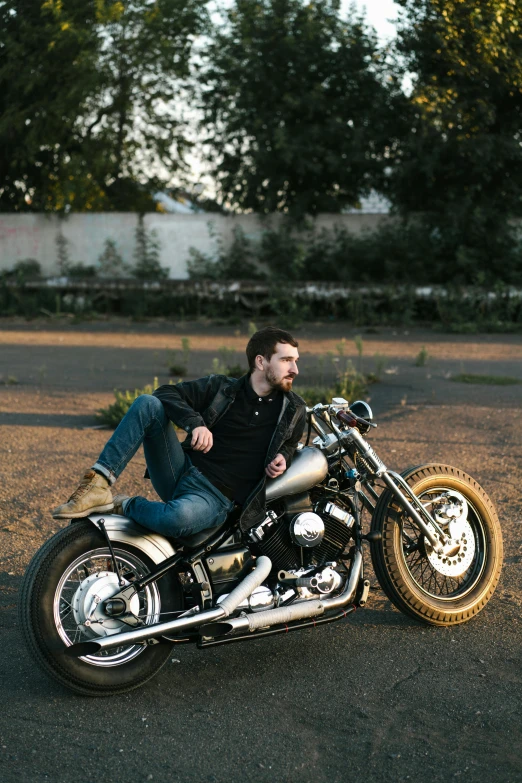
x,y
346,416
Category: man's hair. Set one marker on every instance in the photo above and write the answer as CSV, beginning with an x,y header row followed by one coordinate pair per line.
x,y
264,341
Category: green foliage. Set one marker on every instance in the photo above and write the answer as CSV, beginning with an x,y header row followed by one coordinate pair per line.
x,y
81,270
110,261
380,365
298,114
232,264
225,364
179,369
147,254
350,384
422,357
114,413
462,160
63,259
25,269
89,95
11,380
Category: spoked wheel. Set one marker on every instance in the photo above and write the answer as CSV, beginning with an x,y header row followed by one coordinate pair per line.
x,y
63,601
439,589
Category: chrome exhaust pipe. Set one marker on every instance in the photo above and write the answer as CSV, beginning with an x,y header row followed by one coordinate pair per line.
x,y
299,610
181,624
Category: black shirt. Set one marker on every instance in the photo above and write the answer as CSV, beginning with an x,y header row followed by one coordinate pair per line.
x,y
241,439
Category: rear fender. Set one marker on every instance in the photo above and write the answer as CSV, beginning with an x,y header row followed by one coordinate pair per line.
x,y
123,530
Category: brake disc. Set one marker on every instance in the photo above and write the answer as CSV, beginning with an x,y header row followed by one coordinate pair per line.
x,y
461,547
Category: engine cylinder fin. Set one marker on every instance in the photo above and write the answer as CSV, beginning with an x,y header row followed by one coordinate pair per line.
x,y
281,550
336,537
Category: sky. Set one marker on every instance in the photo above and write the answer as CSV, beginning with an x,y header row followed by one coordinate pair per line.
x,y
378,12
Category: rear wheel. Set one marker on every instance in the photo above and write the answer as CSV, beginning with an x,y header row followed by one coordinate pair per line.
x,y
60,605
439,589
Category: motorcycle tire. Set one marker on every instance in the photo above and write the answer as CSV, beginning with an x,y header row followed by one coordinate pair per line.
x,y
410,573
43,612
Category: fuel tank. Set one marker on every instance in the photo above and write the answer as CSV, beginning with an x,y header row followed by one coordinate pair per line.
x,y
308,468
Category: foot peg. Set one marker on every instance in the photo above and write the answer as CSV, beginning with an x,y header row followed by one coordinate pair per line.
x,y
373,536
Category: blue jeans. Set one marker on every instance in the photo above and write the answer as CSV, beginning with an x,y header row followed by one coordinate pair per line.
x,y
190,502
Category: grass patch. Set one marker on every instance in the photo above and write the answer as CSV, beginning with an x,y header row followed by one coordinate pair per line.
x,y
486,380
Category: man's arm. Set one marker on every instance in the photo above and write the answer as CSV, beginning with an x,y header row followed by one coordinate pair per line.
x,y
184,402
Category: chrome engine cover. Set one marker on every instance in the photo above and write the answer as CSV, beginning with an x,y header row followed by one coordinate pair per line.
x,y
307,529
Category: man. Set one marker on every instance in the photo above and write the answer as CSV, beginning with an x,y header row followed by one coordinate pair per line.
x,y
239,432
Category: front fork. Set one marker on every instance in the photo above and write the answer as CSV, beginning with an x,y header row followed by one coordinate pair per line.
x,y
395,482
431,529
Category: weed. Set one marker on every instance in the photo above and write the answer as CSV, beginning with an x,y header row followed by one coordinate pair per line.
x,y
359,345
350,383
341,347
314,394
488,380
114,413
11,380
422,357
218,368
185,349
380,365
174,367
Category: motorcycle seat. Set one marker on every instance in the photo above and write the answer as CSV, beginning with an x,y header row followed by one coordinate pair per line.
x,y
192,542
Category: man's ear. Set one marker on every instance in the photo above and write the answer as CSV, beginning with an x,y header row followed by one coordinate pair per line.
x,y
259,362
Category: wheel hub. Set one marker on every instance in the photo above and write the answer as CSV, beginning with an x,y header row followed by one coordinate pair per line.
x,y
88,604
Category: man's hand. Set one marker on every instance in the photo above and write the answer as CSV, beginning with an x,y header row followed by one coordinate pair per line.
x,y
202,439
276,467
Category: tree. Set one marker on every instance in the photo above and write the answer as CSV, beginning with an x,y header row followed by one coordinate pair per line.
x,y
89,91
147,254
461,163
297,107
47,69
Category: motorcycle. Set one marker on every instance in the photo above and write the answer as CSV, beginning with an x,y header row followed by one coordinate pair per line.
x,y
105,600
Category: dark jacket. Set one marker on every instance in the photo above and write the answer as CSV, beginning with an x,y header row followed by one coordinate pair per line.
x,y
201,403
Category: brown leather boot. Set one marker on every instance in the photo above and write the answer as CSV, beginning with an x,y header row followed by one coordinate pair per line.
x,y
118,504
92,496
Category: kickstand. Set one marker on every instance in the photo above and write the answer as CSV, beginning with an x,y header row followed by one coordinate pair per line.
x,y
121,581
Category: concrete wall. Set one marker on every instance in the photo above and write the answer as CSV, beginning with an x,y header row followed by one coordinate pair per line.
x,y
34,236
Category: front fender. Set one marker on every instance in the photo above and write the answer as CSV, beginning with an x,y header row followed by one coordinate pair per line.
x,y
125,531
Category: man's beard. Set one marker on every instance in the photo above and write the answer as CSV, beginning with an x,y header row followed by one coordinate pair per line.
x,y
283,384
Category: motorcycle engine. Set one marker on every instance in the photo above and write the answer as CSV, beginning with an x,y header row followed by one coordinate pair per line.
x,y
302,537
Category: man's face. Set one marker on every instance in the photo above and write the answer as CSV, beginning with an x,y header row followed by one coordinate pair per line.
x,y
281,369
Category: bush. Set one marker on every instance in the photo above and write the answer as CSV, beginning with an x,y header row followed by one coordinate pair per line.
x,y
114,413
25,269
417,249
234,264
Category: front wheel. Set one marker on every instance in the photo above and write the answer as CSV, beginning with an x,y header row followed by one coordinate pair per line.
x,y
61,602
434,588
